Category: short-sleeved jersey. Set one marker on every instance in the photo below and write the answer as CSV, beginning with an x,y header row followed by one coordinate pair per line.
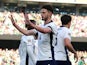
x,y
27,45
25,40
28,39
60,53
44,47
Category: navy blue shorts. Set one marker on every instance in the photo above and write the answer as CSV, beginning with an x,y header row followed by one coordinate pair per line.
x,y
63,63
47,62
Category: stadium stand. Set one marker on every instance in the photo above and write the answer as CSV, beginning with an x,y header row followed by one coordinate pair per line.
x,y
10,37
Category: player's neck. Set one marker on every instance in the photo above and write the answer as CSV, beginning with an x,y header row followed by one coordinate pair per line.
x,y
47,21
66,26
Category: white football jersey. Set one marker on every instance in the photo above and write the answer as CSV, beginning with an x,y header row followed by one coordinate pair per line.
x,y
27,46
44,47
60,53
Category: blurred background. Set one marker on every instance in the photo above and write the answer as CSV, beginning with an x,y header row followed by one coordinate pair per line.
x,y
10,36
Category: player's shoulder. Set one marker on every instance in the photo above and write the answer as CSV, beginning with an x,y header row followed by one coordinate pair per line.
x,y
52,24
63,30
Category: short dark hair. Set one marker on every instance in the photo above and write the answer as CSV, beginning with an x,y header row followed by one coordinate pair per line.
x,y
82,57
65,19
22,9
48,7
26,25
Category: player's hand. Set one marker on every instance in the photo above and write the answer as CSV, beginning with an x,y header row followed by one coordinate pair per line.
x,y
12,20
75,57
27,20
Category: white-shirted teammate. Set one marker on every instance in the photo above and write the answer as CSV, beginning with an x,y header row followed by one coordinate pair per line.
x,y
64,42
28,46
46,36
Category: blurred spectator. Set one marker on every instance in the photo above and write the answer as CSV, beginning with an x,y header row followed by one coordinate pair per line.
x,y
78,25
11,57
81,61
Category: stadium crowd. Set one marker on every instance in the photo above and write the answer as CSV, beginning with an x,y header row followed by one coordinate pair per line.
x,y
11,57
78,26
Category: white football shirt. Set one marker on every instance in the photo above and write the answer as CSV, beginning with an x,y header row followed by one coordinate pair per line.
x,y
44,47
60,53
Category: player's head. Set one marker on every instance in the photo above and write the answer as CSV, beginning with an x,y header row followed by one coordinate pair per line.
x,y
22,9
82,57
66,20
46,11
28,26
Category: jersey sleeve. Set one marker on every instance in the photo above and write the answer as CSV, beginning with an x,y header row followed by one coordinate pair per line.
x,y
53,27
54,31
67,34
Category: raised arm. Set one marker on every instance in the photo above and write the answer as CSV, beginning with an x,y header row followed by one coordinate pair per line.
x,y
37,27
24,31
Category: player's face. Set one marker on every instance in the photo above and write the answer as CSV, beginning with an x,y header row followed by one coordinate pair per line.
x,y
44,14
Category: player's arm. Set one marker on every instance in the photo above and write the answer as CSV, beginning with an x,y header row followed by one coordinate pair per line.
x,y
37,27
25,32
43,30
70,47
